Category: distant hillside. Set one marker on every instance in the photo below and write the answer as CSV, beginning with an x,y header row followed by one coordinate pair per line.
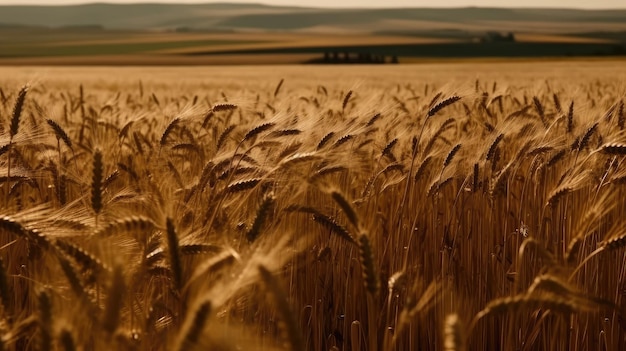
x,y
132,16
268,18
225,33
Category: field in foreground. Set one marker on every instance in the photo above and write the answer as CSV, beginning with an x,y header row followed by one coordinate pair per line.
x,y
370,208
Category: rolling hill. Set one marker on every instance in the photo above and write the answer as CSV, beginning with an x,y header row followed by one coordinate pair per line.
x,y
255,17
101,33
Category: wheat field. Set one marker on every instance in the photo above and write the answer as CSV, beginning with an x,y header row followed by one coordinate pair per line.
x,y
459,206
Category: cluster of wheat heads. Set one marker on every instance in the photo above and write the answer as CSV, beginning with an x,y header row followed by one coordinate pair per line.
x,y
333,220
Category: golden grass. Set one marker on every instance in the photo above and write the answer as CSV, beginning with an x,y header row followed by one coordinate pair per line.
x,y
264,207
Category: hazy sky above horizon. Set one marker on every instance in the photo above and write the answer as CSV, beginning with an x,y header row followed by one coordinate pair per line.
x,y
597,4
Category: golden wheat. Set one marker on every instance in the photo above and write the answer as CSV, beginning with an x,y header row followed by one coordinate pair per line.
x,y
147,213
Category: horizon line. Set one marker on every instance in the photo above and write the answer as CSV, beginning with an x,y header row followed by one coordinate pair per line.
x,y
174,3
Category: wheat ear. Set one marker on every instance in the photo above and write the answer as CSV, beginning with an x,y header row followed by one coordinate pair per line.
x,y
224,107
570,117
96,182
13,129
277,90
368,266
422,168
325,140
168,130
493,146
614,149
451,155
540,110
224,135
346,99
347,208
258,130
262,214
532,302
17,111
77,286
174,254
557,103
443,104
60,133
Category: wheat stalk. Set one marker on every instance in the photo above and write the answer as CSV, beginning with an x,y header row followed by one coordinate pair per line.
x,y
45,320
67,340
454,339
96,182
114,301
620,115
5,288
194,326
289,323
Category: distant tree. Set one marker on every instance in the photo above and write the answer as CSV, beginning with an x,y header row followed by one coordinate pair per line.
x,y
493,36
510,37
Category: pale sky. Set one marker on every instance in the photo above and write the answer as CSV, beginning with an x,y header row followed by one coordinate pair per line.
x,y
586,4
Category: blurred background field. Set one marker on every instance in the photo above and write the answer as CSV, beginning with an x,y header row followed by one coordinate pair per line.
x,y
250,33
251,78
